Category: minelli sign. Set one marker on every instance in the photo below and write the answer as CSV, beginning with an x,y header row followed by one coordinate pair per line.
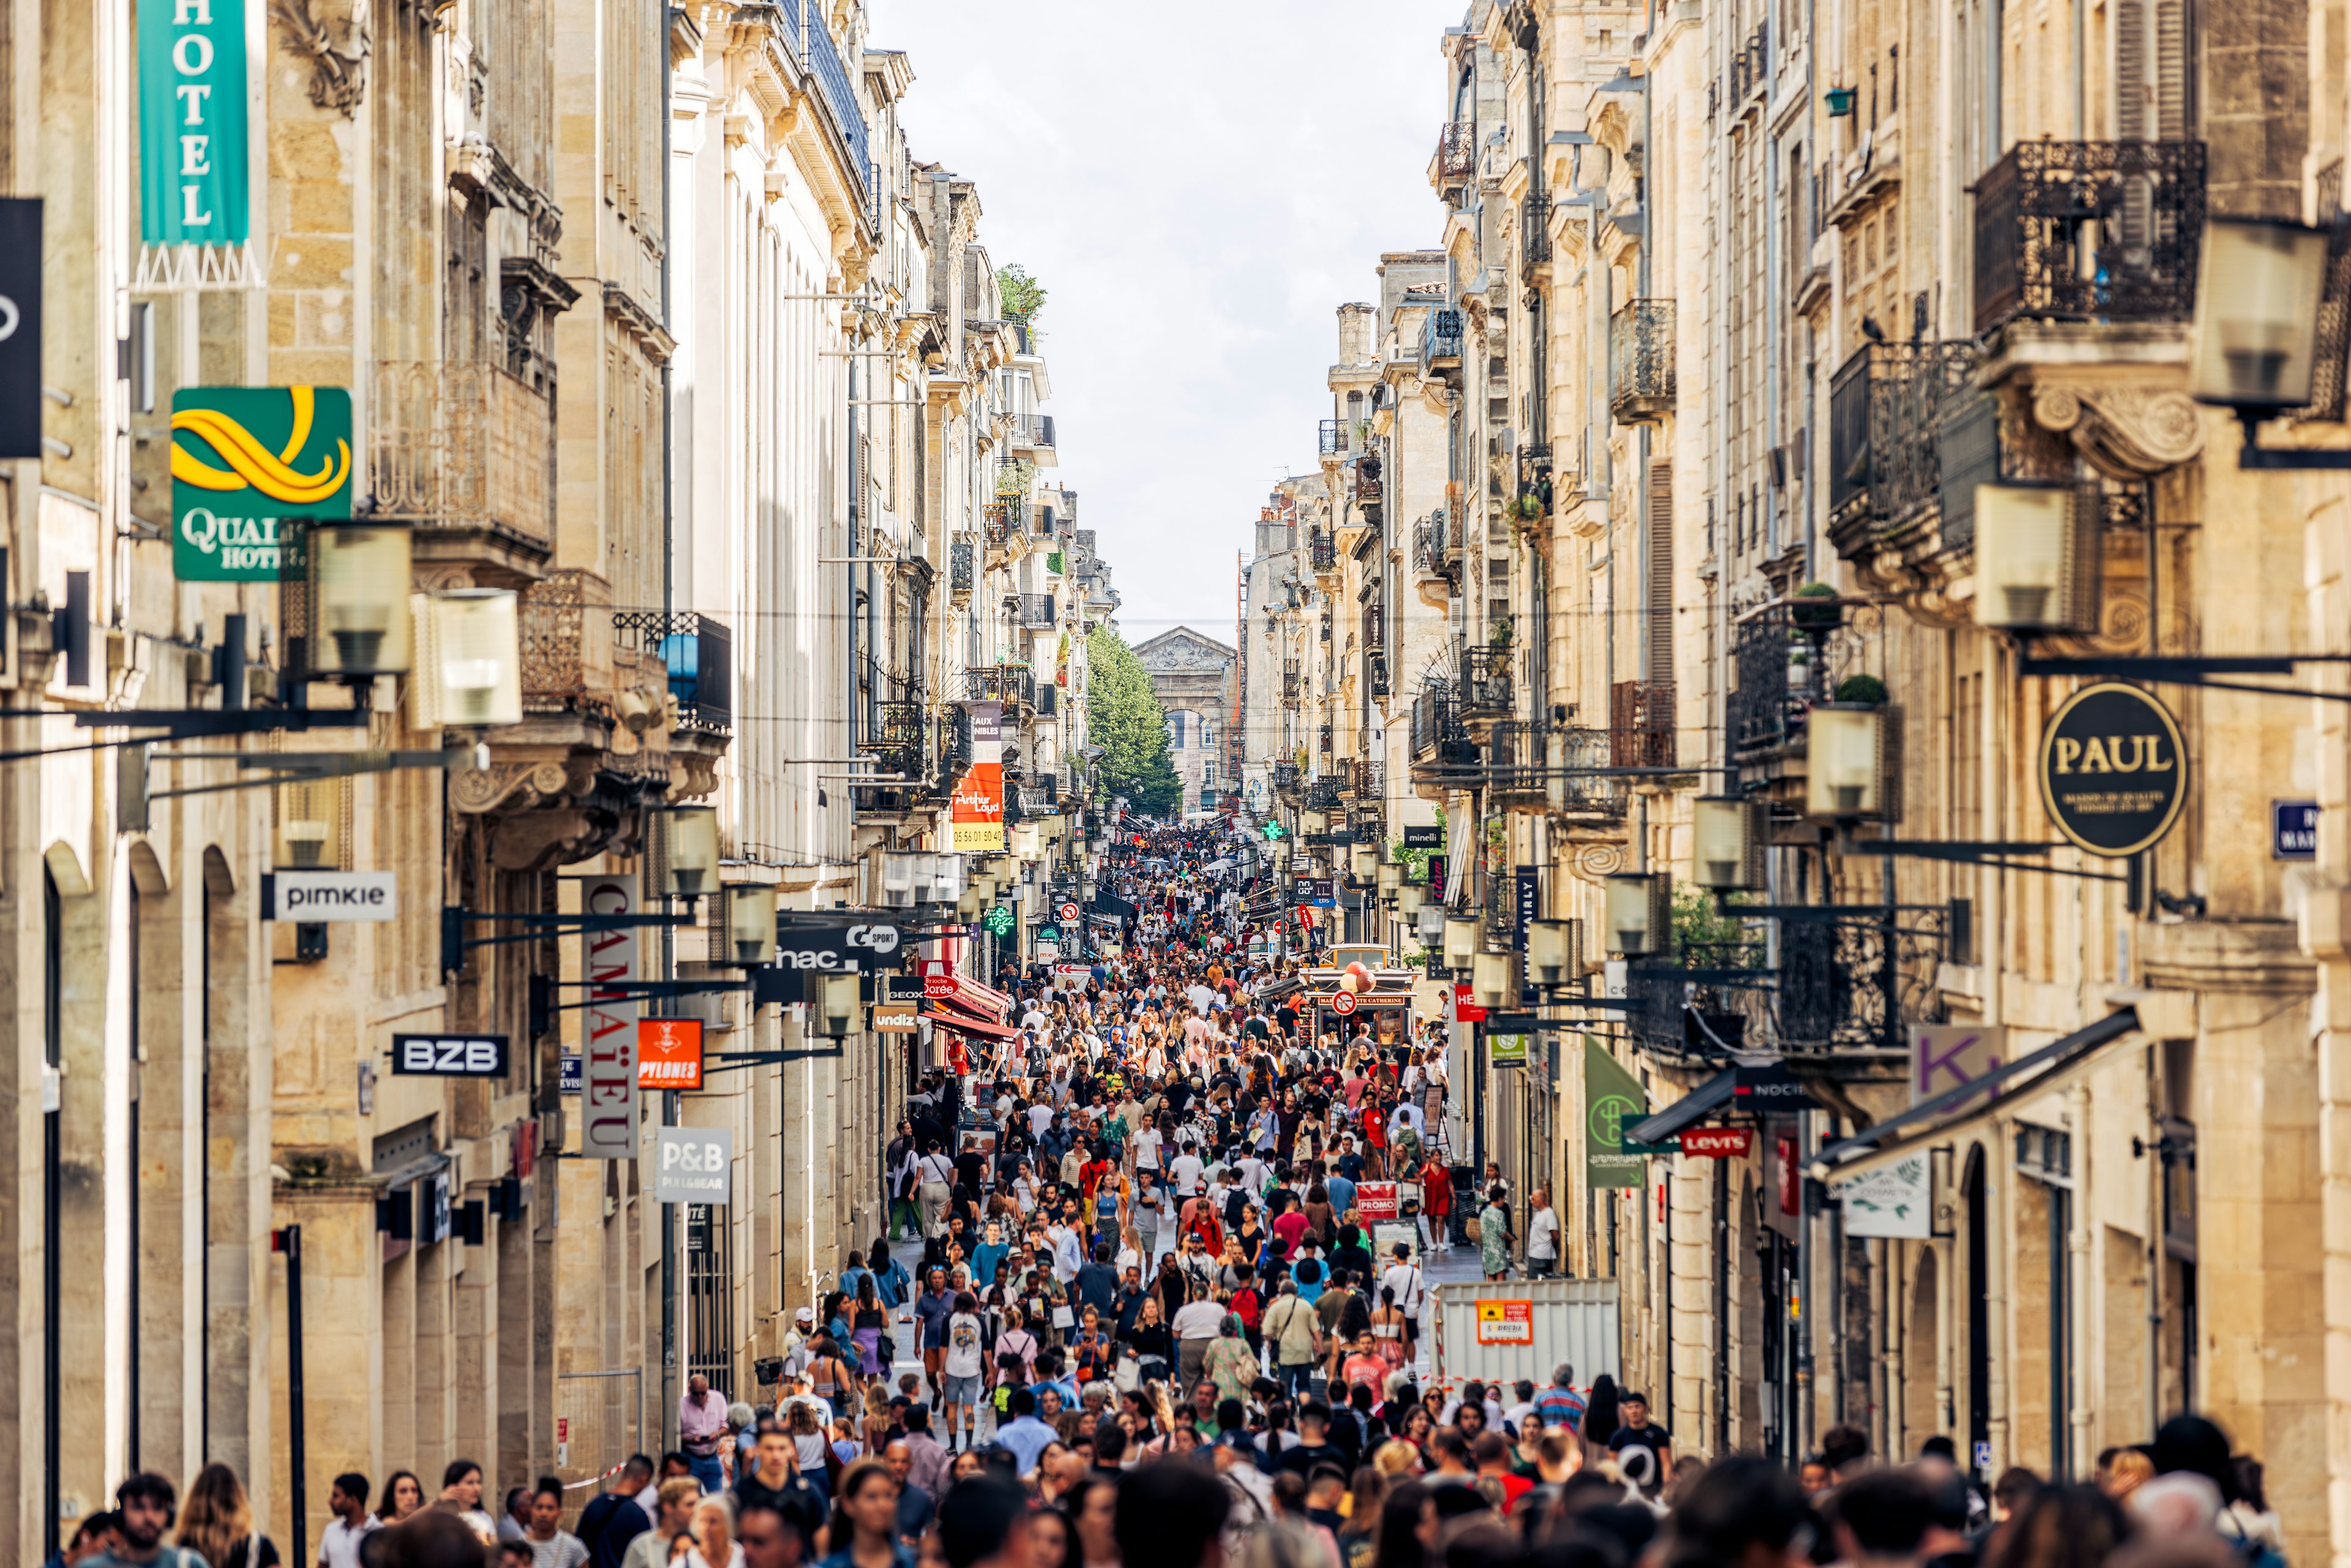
x,y
2113,774
250,465
976,812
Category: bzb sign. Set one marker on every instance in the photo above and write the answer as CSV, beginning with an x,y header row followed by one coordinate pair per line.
x,y
2113,772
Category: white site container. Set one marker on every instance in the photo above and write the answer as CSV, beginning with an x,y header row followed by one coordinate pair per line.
x,y
1531,1326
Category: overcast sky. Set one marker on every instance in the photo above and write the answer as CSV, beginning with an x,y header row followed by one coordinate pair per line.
x,y
1199,187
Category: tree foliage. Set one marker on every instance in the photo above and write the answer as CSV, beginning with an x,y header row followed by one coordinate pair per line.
x,y
1022,294
1124,718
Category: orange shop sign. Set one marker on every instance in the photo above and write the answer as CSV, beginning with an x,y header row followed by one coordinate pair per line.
x,y
669,1053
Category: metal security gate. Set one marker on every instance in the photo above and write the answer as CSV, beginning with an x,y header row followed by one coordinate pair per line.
x,y
600,1421
709,1297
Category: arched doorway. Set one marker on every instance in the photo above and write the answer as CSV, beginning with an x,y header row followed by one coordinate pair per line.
x,y
1922,1352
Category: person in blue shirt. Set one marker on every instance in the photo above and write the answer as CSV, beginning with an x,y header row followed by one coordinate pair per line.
x,y
988,1255
1025,1435
853,1272
1341,1191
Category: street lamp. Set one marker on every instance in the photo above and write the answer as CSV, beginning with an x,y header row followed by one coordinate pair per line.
x,y
1461,941
2259,287
751,921
1639,909
1728,834
2029,566
1408,902
360,573
836,1001
1490,978
477,638
1846,767
690,848
1548,950
1390,877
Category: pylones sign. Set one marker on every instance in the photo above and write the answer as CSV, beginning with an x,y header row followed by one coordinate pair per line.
x,y
246,463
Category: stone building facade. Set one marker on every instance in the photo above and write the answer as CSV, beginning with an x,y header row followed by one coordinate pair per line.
x,y
1744,324
1191,675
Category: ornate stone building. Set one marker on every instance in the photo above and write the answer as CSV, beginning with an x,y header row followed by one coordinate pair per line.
x,y
1191,675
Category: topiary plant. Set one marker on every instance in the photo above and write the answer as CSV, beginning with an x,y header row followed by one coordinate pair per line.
x,y
1816,616
1867,691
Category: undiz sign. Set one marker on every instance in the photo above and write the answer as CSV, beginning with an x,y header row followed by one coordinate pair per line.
x,y
2114,772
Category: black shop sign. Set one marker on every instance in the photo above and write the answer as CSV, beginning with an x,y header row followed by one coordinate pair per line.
x,y
2113,772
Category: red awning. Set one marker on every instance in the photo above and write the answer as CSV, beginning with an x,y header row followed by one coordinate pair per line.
x,y
947,1019
975,997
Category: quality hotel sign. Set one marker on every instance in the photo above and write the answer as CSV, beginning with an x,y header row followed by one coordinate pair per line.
x,y
2113,774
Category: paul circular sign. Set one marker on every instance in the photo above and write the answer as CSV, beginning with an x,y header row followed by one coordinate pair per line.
x,y
2113,772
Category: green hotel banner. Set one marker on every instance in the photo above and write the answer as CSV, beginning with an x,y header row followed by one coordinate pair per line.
x,y
194,175
1613,1101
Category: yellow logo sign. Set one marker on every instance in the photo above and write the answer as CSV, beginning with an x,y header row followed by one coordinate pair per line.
x,y
252,465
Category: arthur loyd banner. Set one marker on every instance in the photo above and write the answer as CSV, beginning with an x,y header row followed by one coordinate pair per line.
x,y
979,805
1613,1101
193,173
246,461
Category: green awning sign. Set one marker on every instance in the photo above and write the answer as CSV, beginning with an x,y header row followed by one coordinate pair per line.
x,y
249,465
1613,1101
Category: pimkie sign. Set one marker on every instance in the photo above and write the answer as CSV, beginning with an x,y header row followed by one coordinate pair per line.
x,y
2113,774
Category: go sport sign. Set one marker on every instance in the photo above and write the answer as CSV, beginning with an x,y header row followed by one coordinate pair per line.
x,y
2113,774
249,466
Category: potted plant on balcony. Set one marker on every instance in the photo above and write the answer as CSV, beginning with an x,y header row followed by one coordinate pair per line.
x,y
1813,609
1861,691
1498,636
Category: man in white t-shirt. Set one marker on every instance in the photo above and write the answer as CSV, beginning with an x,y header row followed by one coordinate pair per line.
x,y
1196,1325
1542,1237
965,1358
340,1546
1185,1171
1405,1278
1145,1143
1040,1117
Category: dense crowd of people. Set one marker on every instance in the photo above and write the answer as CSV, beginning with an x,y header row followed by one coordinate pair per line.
x,y
1140,1322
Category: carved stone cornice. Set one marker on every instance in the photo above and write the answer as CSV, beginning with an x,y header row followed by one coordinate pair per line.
x,y
2126,431
337,50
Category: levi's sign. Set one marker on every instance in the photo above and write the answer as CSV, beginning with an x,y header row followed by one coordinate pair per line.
x,y
312,897
1718,1143
846,948
449,1055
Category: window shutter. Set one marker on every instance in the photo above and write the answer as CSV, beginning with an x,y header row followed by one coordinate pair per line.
x,y
1661,570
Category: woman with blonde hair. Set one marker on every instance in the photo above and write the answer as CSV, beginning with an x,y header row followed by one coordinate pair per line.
x,y
217,1522
714,1535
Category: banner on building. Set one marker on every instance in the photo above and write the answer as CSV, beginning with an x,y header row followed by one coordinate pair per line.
x,y
195,175
1526,904
1946,1056
20,328
1613,1101
977,810
608,1068
248,464
1895,1199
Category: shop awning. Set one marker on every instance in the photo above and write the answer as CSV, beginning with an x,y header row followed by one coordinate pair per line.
x,y
975,997
947,1017
1714,1095
2061,1059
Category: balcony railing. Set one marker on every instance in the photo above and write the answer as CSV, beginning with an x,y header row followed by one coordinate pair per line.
x,y
1036,611
1534,229
1641,724
1886,407
1322,552
833,82
572,657
1435,725
1457,149
1485,682
1285,777
1001,520
1322,790
1440,337
1008,683
1376,671
963,568
1331,437
1436,545
1293,681
1772,664
2089,231
462,445
697,655
1641,361
1368,780
901,745
1367,479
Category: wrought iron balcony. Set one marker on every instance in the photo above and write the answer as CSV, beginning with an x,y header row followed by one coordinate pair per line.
x,y
2089,231
456,446
1534,229
1008,683
1457,149
1322,790
1323,744
1485,682
1885,408
963,568
1641,724
576,656
1332,437
902,747
1376,669
1321,551
1641,372
1293,681
1001,520
1367,479
1436,546
1368,779
1436,731
1036,611
696,654
1772,662
1285,777
1440,339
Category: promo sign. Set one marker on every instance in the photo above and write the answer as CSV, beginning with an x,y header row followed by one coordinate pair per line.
x,y
976,810
194,173
2113,774
314,897
843,949
1895,1199
669,1053
244,462
20,327
1465,1007
608,1074
1377,1200
449,1055
693,1165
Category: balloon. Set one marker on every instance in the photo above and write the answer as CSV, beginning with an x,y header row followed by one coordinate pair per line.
x,y
1362,977
1351,982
